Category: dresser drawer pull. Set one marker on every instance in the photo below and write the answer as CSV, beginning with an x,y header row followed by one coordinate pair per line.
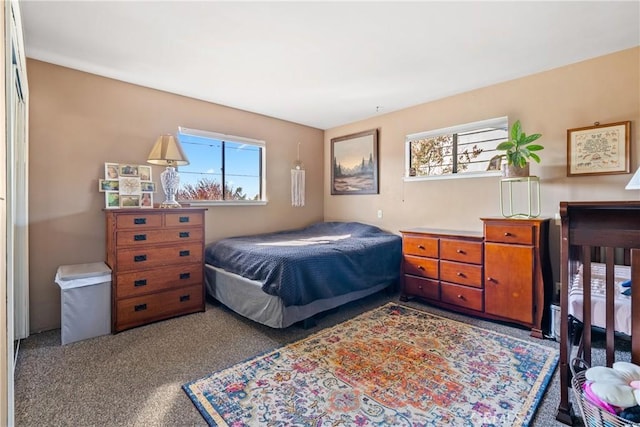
x,y
185,253
139,237
184,234
184,219
184,298
139,258
507,234
185,276
140,307
460,296
141,282
459,274
420,246
139,220
420,267
490,279
460,251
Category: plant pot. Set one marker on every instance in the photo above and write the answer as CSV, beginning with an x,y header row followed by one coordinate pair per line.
x,y
514,171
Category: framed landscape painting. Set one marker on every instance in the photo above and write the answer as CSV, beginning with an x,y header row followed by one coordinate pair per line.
x,y
355,163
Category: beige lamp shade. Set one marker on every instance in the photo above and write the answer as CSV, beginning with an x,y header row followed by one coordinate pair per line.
x,y
167,151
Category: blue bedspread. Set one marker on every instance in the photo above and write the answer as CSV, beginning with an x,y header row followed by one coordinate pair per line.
x,y
320,261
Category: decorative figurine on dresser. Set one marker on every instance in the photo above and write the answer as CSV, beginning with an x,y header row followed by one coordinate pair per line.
x,y
156,258
501,274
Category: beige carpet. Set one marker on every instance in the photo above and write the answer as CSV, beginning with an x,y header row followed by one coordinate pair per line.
x,y
134,378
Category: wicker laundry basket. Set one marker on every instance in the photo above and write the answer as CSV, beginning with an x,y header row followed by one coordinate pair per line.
x,y
592,415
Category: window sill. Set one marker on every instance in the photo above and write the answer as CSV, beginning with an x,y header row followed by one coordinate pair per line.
x,y
194,203
452,176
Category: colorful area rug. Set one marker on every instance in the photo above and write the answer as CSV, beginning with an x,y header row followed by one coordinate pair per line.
x,y
391,366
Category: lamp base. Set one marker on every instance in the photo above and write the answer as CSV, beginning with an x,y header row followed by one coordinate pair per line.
x,y
168,204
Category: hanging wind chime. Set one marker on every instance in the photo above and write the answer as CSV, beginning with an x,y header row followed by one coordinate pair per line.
x,y
297,182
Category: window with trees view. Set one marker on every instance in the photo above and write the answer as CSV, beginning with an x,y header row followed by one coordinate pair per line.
x,y
463,149
221,167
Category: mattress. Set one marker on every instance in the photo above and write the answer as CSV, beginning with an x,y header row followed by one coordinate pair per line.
x,y
622,303
321,261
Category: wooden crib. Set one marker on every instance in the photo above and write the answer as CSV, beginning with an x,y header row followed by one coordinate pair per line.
x,y
585,226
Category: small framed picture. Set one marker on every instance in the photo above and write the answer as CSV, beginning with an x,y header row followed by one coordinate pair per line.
x,y
128,170
112,199
108,185
129,186
130,201
599,149
111,171
145,173
147,186
146,200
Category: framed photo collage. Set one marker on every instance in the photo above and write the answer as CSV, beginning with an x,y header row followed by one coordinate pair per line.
x,y
127,186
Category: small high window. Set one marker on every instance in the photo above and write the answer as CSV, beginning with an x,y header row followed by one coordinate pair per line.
x,y
464,149
221,168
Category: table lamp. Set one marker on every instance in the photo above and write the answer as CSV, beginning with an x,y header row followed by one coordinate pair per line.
x,y
167,151
634,183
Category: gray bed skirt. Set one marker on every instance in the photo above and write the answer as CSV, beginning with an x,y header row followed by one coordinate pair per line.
x,y
247,298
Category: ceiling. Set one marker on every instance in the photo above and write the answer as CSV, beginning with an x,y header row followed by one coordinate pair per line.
x,y
324,64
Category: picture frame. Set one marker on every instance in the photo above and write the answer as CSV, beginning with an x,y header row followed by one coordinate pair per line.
x,y
599,149
146,200
147,186
130,201
108,185
130,186
355,163
127,185
128,170
112,199
111,171
145,173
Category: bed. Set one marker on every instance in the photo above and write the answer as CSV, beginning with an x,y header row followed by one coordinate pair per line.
x,y
284,277
591,289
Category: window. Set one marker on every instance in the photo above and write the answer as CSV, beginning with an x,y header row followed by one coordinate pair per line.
x,y
464,149
221,167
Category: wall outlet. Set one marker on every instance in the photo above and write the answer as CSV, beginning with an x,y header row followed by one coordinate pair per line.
x,y
379,213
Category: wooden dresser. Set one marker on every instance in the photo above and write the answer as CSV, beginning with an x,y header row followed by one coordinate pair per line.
x,y
503,273
156,258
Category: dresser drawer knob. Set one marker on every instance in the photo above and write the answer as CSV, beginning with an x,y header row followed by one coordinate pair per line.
x,y
184,298
490,279
140,307
185,276
185,253
139,237
139,221
459,274
184,219
184,234
139,258
141,282
460,251
507,234
420,247
460,296
420,267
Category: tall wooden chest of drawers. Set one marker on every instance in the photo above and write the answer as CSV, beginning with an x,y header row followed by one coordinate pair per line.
x,y
156,258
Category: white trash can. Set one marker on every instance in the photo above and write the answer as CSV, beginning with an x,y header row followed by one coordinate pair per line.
x,y
85,301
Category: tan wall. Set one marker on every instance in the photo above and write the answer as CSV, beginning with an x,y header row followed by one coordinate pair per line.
x,y
78,121
605,89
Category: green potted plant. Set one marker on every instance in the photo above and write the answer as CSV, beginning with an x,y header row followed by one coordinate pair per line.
x,y
518,150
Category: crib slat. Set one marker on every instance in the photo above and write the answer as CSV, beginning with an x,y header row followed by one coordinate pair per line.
x,y
586,304
609,304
